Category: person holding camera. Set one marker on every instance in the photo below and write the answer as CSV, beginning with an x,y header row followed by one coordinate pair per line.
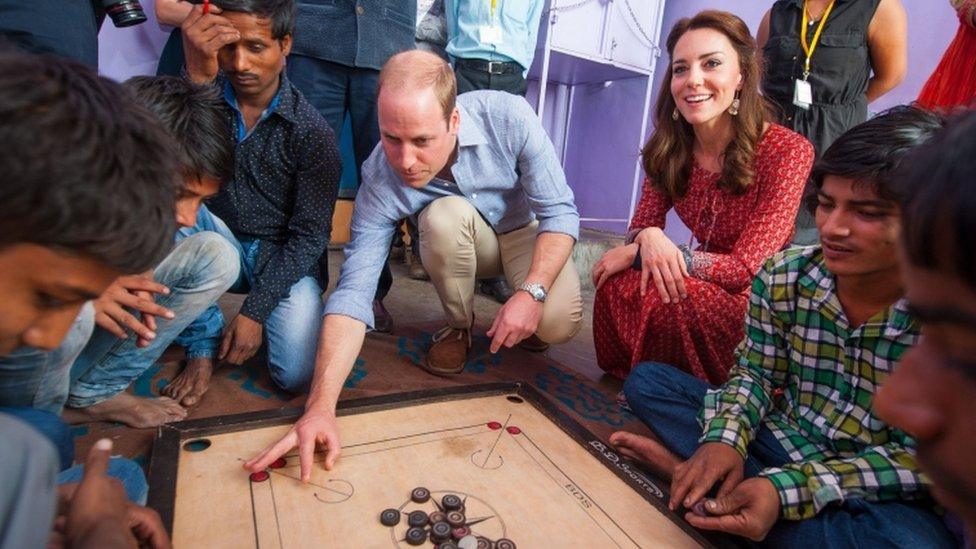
x,y
66,29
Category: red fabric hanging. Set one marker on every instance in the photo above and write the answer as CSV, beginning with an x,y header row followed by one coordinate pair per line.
x,y
953,83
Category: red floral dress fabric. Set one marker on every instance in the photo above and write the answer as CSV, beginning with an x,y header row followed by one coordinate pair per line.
x,y
736,234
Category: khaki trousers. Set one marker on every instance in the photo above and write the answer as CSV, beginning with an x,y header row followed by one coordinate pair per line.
x,y
457,247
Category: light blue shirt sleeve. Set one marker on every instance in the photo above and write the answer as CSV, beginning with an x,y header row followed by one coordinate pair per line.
x,y
542,177
372,228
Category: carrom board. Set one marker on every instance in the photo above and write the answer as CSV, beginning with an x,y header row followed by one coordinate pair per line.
x,y
525,471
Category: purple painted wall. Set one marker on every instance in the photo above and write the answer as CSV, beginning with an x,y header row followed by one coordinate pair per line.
x,y
600,165
603,148
133,50
931,26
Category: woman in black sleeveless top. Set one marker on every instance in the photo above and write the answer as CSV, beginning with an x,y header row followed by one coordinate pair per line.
x,y
861,55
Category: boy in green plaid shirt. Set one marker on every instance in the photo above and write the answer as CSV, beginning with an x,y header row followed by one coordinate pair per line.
x,y
792,434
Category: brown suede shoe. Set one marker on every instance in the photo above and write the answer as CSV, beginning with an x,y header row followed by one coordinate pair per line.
x,y
448,352
533,344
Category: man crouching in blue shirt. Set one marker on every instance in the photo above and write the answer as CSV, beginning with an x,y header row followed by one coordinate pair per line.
x,y
278,208
492,199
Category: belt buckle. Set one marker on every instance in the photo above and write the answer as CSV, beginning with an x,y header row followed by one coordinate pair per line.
x,y
493,64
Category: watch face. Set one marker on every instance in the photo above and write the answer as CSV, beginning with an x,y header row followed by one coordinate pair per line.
x,y
537,292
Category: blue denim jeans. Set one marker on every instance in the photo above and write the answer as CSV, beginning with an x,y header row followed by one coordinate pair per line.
x,y
668,400
197,272
124,470
334,90
292,329
31,378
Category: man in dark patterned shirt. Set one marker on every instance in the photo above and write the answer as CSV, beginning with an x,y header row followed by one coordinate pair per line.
x,y
792,434
279,206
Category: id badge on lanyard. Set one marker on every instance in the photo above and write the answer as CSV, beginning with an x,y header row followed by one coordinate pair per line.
x,y
803,94
803,91
491,33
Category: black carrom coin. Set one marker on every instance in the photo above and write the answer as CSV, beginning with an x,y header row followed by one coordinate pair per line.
x,y
417,519
420,495
450,502
416,536
390,517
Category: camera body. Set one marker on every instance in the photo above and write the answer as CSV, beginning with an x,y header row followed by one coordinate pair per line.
x,y
124,13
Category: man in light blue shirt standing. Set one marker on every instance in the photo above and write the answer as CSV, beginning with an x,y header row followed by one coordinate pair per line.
x,y
492,42
492,199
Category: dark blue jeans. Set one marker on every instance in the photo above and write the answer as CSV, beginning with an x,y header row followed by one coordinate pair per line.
x,y
667,400
335,89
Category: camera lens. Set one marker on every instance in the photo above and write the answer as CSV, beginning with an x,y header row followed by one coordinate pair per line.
x,y
124,13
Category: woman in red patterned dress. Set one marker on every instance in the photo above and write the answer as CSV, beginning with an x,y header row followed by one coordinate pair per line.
x,y
732,177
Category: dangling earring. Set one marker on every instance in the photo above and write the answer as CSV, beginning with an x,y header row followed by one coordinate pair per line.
x,y
734,108
675,115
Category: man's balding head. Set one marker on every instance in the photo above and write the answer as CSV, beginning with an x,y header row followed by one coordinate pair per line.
x,y
417,115
414,71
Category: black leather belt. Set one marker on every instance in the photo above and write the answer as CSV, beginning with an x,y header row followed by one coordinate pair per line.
x,y
491,67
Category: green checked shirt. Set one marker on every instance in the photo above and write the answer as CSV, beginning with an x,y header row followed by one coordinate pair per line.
x,y
807,376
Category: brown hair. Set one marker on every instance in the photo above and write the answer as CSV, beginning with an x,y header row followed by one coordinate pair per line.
x,y
414,70
667,156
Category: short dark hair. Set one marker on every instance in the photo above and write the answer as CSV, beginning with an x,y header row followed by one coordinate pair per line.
x,y
280,12
196,117
85,168
870,152
939,206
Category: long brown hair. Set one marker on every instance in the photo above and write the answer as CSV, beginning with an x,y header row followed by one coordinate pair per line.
x,y
667,156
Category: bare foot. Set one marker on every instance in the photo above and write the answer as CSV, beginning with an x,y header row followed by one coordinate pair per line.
x,y
646,451
134,411
191,383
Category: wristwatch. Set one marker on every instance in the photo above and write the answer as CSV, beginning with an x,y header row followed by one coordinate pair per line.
x,y
536,290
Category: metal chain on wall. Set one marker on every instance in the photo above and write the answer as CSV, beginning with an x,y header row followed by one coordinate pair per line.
x,y
568,7
630,10
640,29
